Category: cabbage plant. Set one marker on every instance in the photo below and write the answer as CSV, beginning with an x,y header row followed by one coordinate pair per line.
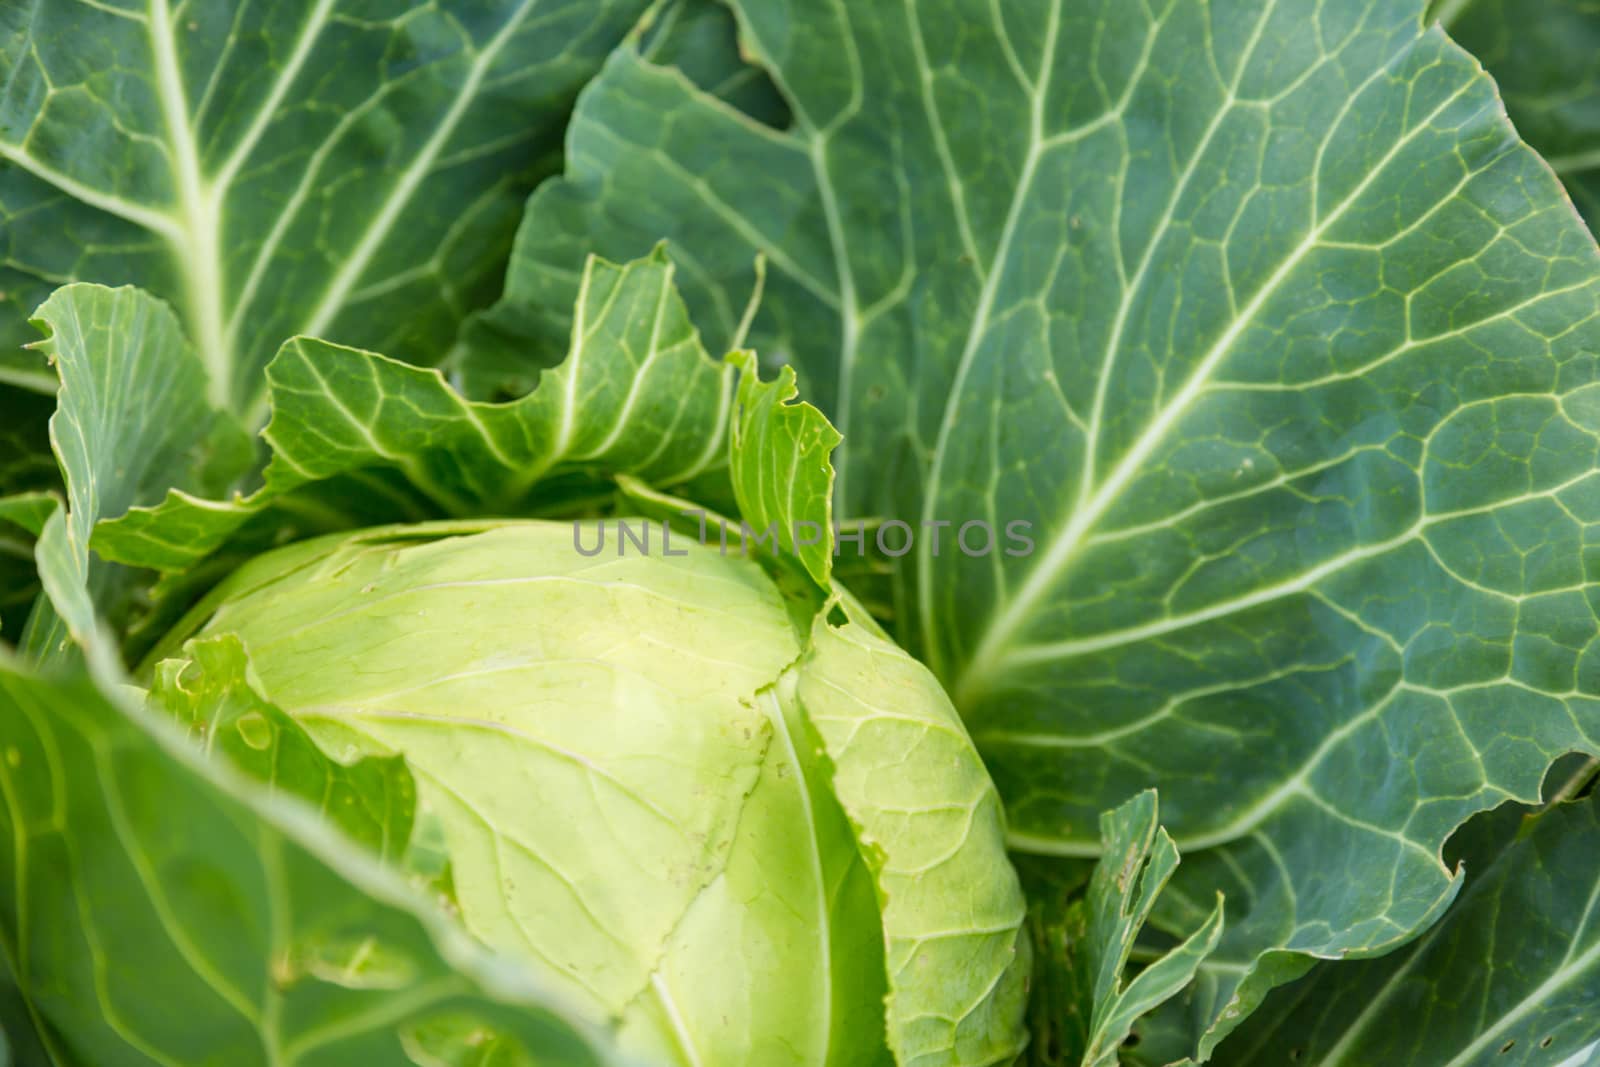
x,y
1254,340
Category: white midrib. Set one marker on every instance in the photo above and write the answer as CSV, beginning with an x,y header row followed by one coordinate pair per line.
x,y
199,251
193,230
195,234
1171,624
640,374
992,650
849,313
269,108
573,365
157,222
680,1029
816,140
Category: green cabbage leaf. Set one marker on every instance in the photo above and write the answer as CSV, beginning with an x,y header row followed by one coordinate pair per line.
x,y
325,167
1545,57
1510,975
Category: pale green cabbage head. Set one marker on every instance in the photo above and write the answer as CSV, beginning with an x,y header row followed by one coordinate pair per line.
x,y
743,833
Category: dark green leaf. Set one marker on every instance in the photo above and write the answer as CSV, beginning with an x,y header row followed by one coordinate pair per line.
x,y
1545,56
324,167
1509,976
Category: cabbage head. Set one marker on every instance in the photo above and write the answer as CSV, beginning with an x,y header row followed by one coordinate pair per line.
x,y
732,820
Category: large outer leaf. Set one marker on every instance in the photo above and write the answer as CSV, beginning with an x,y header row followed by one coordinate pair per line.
x,y
1510,975
1545,55
159,910
276,167
1262,316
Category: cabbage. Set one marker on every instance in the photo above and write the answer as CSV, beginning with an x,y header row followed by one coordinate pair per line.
x,y
652,781
1255,327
